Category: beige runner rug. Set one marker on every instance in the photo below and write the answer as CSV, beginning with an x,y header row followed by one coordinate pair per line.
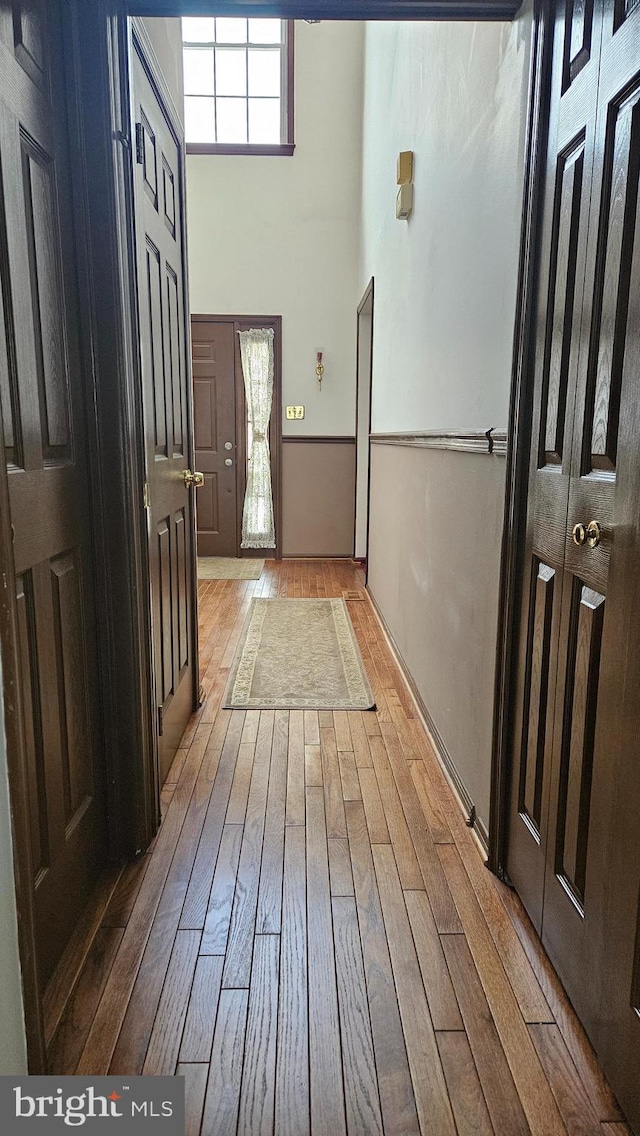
x,y
229,568
298,655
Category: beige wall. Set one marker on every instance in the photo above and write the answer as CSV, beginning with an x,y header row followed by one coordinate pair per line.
x,y
445,291
318,498
435,530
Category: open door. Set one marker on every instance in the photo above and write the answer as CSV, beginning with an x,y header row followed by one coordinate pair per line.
x,y
573,851
166,389
364,377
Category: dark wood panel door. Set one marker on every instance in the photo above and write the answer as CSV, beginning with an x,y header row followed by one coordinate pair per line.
x,y
167,409
546,587
45,437
213,349
573,848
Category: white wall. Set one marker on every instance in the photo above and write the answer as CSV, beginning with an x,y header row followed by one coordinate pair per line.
x,y
166,40
455,94
13,1048
279,236
445,293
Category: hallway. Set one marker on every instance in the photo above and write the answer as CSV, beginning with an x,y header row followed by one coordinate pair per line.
x,y
313,940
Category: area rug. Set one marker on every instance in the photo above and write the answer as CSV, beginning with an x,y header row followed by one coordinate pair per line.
x,y
298,655
228,568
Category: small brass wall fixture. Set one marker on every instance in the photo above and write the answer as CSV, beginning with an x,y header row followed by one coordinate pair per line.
x,y
319,368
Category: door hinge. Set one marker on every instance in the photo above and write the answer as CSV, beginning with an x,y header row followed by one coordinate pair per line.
x,y
160,721
139,143
147,499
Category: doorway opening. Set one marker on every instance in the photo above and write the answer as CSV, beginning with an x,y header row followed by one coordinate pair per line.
x,y
223,432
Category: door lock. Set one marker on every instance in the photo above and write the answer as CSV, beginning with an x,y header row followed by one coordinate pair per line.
x,y
594,534
591,535
194,479
228,461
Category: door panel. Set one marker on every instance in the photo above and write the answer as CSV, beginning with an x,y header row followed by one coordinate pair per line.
x,y
166,396
43,410
214,397
573,847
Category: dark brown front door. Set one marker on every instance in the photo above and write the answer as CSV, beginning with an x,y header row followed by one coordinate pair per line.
x,y
45,436
167,409
213,348
573,847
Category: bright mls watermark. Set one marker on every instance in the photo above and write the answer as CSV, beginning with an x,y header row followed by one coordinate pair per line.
x,y
132,1106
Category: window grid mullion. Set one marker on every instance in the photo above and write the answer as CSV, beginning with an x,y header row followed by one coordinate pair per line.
x,y
246,79
280,48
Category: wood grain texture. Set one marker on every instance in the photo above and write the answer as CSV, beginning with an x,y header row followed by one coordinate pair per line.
x,y
564,1080
218,917
394,1080
225,1069
295,771
353,995
197,1038
497,1083
69,1038
164,1043
340,867
270,890
360,1082
443,1006
374,812
258,1076
334,801
429,1086
467,1099
327,1098
533,1088
292,1117
237,967
403,846
195,1087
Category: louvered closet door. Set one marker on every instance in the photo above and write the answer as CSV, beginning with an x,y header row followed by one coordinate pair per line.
x,y
573,848
45,437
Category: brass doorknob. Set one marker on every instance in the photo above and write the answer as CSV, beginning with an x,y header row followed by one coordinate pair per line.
x,y
579,534
594,534
194,479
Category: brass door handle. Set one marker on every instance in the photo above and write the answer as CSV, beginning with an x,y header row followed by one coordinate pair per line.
x,y
579,534
194,479
594,534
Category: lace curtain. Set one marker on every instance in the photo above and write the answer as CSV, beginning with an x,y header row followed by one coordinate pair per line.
x,y
256,351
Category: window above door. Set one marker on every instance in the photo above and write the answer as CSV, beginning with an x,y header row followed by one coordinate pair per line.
x,y
238,82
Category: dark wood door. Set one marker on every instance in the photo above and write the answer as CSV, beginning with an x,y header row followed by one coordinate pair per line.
x,y
566,832
45,437
167,409
213,349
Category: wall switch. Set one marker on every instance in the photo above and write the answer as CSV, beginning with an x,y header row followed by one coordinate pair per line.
x,y
294,411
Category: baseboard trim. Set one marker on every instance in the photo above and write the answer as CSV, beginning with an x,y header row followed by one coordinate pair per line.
x,y
467,807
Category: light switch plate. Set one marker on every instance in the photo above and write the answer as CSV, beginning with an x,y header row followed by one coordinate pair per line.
x,y
294,411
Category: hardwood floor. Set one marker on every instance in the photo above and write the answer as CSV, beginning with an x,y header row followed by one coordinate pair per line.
x,y
313,940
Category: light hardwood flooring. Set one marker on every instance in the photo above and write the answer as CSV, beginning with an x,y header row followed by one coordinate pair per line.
x,y
313,940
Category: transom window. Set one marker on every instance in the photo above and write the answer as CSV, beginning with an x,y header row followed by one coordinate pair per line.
x,y
238,85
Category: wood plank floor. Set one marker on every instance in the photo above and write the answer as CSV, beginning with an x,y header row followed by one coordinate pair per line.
x,y
313,940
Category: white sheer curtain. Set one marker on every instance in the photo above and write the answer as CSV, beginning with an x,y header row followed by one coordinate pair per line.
x,y
256,351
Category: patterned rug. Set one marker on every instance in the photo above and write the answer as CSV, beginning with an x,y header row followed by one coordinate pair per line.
x,y
298,655
228,568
